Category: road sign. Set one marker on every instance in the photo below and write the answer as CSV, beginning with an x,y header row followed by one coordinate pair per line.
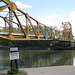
x,y
46,34
14,55
14,49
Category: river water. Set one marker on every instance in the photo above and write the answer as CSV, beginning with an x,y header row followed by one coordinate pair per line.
x,y
39,58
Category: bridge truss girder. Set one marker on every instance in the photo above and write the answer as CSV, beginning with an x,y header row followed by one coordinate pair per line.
x,y
29,31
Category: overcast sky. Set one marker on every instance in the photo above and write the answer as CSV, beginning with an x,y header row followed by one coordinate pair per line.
x,y
49,12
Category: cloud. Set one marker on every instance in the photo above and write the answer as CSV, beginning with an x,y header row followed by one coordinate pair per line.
x,y
19,5
53,16
1,22
22,5
53,20
5,11
50,20
71,19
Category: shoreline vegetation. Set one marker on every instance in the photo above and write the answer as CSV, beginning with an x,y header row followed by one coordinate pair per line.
x,y
19,73
38,48
36,45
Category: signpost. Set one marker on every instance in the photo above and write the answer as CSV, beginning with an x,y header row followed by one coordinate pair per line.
x,y
14,56
14,49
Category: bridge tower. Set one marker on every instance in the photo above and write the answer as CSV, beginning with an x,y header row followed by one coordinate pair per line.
x,y
67,30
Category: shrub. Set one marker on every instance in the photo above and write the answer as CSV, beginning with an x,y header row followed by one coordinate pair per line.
x,y
13,71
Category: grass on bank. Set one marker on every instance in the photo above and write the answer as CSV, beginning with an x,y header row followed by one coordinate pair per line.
x,y
20,73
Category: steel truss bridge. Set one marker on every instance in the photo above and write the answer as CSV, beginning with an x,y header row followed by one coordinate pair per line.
x,y
18,25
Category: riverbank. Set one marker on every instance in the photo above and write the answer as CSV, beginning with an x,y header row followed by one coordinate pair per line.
x,y
39,48
62,48
25,48
57,70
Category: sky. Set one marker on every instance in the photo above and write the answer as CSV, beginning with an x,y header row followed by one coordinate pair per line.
x,y
49,12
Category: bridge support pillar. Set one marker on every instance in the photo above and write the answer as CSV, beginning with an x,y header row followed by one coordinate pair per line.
x,y
38,37
11,37
27,37
46,38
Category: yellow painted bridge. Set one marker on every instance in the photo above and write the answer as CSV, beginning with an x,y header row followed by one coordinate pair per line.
x,y
18,25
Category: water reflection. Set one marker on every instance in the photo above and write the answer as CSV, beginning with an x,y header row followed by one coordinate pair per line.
x,y
4,59
30,59
47,59
74,58
74,61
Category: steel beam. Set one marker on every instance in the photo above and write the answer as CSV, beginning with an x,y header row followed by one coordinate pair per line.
x,y
3,7
19,23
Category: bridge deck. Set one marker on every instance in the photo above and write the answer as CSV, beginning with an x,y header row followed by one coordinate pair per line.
x,y
20,36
